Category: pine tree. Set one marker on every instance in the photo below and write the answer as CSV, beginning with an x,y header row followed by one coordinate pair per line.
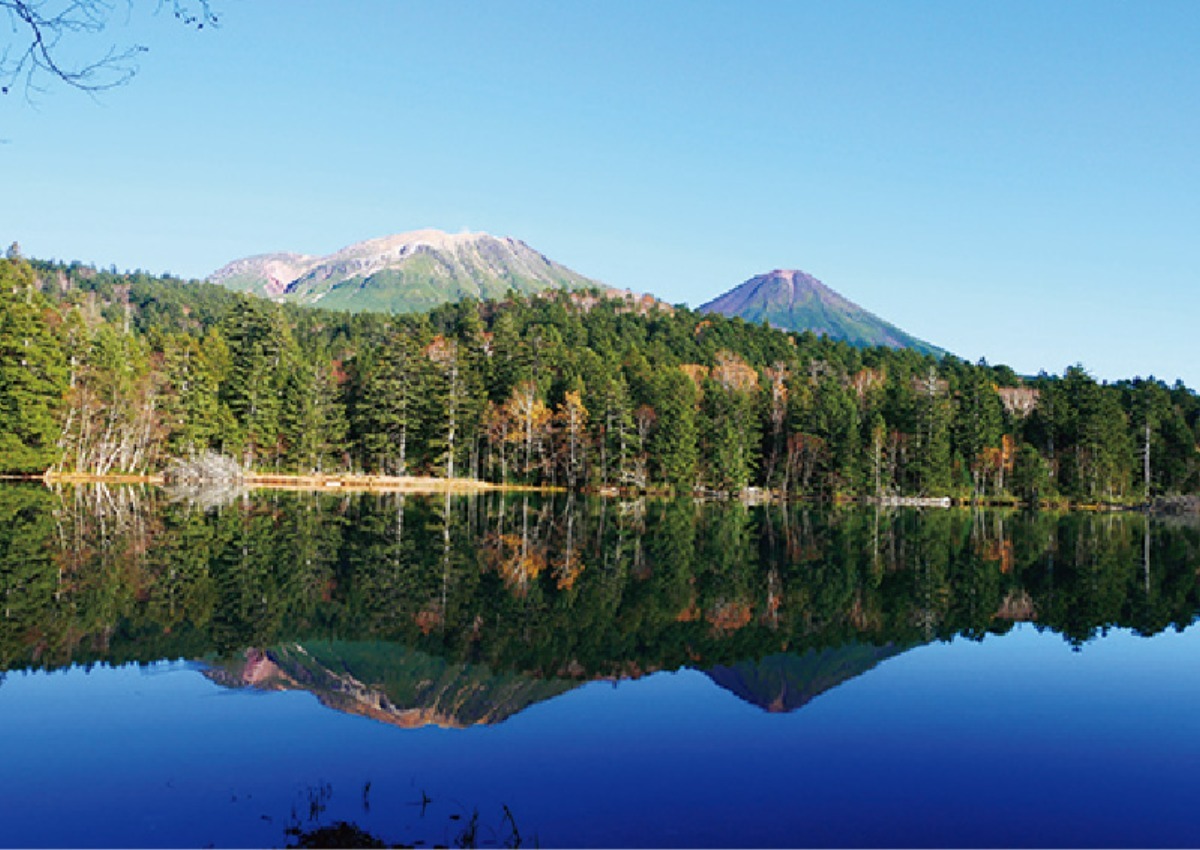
x,y
312,420
450,404
390,402
195,369
261,349
729,423
33,373
673,445
976,425
931,462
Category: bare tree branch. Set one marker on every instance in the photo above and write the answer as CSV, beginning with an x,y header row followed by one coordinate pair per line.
x,y
35,49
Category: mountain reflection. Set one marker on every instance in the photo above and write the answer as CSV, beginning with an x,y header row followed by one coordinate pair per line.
x,y
463,610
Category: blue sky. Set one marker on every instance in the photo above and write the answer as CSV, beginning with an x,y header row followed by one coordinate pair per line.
x,y
1016,181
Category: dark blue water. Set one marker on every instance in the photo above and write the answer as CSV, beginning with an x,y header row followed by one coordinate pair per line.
x,y
1013,741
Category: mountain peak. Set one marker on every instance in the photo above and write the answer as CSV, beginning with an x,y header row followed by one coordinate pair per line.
x,y
794,300
438,239
790,274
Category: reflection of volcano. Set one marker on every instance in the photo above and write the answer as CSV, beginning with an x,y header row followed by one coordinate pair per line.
x,y
390,683
781,683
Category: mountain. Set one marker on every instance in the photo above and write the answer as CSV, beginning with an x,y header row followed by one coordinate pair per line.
x,y
389,683
783,683
795,301
408,272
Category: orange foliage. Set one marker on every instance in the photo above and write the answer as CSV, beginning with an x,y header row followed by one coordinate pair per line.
x,y
441,350
998,461
999,550
1008,449
868,380
567,571
733,373
428,619
778,376
517,560
727,617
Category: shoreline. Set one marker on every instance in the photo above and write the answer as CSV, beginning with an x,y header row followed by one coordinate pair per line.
x,y
345,483
428,484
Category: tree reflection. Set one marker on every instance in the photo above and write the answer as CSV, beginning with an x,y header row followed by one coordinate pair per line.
x,y
559,588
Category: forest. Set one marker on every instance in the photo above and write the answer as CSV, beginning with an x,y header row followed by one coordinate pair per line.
x,y
104,372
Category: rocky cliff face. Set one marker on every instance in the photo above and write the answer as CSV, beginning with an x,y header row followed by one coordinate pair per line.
x,y
407,272
796,301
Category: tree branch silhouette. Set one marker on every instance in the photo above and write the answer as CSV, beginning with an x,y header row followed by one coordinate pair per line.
x,y
38,50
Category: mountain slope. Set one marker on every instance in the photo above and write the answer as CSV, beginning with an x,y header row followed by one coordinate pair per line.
x,y
390,683
782,683
407,272
795,301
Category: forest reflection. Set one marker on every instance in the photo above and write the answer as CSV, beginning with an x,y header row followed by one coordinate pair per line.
x,y
460,610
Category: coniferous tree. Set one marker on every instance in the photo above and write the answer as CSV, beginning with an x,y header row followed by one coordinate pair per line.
x,y
261,351
312,420
673,443
932,418
194,369
33,372
976,425
390,403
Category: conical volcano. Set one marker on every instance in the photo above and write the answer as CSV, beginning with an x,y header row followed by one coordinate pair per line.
x,y
795,301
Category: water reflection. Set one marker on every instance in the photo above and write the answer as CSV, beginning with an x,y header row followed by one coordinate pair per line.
x,y
458,611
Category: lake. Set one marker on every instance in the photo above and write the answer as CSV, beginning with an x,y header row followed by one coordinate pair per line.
x,y
245,670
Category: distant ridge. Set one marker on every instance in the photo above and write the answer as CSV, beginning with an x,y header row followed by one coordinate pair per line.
x,y
796,301
406,272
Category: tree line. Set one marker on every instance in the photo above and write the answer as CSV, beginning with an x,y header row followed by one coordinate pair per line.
x,y
104,372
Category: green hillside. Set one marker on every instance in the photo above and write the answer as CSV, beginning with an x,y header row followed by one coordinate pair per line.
x,y
406,273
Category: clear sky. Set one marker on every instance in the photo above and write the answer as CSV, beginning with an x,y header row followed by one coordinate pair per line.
x,y
1012,180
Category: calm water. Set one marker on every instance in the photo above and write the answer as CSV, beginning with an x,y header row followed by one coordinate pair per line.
x,y
591,673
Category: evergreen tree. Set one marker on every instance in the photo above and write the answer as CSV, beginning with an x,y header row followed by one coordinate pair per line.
x,y
33,372
312,420
931,464
387,411
195,368
261,352
673,444
976,425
